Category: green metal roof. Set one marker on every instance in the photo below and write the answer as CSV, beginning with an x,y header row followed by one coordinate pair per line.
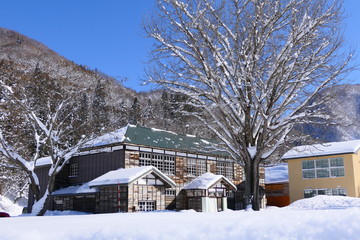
x,y
165,139
156,138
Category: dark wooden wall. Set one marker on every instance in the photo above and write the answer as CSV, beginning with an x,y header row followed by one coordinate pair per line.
x,y
95,165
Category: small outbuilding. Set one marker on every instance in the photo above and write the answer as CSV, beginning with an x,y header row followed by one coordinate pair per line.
x,y
208,193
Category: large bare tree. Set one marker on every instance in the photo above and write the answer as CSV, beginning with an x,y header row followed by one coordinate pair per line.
x,y
252,68
51,123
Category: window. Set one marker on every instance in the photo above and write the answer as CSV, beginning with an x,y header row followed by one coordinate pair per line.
x,y
164,163
196,167
170,192
145,206
225,168
195,203
324,191
191,167
323,168
74,170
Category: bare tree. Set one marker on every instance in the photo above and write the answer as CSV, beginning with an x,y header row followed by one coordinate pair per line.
x,y
253,68
53,130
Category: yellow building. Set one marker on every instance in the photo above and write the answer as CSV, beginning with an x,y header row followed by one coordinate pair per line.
x,y
324,169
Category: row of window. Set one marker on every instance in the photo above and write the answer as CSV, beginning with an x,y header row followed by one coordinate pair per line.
x,y
325,191
194,167
164,163
323,168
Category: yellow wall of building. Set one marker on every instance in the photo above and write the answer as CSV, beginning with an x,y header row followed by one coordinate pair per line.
x,y
350,181
356,168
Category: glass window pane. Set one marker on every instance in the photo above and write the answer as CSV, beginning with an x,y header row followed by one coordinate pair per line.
x,y
322,163
308,173
337,172
309,193
339,192
308,164
322,173
336,162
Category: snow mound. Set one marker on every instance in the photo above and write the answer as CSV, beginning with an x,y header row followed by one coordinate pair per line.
x,y
8,206
326,202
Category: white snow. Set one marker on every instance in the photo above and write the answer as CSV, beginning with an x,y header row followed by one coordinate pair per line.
x,y
160,130
276,173
293,222
326,202
206,180
323,149
127,175
43,161
80,189
109,138
8,206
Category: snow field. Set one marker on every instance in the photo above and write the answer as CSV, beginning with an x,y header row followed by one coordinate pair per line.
x,y
324,218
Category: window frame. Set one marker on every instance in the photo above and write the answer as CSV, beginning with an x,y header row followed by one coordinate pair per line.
x,y
147,206
74,170
195,167
165,163
225,168
323,168
308,193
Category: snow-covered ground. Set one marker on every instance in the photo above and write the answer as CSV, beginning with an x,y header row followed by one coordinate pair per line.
x,y
321,217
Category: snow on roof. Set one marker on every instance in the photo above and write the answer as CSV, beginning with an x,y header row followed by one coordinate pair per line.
x,y
79,189
207,180
109,138
127,176
43,161
331,148
276,173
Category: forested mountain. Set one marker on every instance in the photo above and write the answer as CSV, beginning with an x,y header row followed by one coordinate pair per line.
x,y
106,101
344,113
100,103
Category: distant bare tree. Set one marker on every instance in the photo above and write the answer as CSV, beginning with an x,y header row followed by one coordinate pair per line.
x,y
252,68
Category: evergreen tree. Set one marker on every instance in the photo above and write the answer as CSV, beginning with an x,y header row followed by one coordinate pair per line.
x,y
100,117
135,113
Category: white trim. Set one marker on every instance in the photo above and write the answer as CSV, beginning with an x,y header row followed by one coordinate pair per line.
x,y
170,152
145,149
118,147
129,147
181,154
158,151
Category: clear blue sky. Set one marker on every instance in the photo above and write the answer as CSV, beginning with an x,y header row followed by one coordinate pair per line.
x,y
107,34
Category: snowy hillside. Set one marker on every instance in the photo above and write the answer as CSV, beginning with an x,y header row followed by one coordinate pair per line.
x,y
344,107
333,218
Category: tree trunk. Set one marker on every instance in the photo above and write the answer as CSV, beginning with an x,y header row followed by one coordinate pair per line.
x,y
47,194
34,185
252,195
